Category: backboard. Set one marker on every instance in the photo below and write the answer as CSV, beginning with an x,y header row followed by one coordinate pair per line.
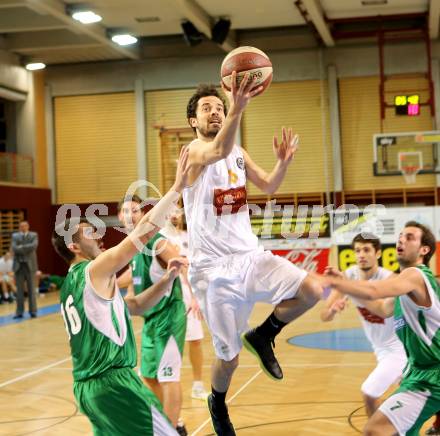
x,y
389,148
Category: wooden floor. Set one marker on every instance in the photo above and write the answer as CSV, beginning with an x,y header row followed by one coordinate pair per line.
x,y
318,396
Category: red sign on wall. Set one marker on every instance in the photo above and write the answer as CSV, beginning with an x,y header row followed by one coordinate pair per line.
x,y
310,259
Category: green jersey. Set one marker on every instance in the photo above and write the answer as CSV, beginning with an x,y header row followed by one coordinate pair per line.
x,y
419,327
100,332
147,270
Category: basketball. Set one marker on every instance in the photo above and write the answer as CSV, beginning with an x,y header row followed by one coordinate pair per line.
x,y
247,59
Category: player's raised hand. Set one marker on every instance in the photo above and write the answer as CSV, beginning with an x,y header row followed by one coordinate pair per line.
x,y
241,94
182,172
333,272
339,305
175,266
286,148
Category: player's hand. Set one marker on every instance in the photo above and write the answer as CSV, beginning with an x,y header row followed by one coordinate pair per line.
x,y
240,95
175,265
333,272
286,149
339,305
195,308
182,172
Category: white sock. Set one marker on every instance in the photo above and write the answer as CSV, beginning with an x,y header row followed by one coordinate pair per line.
x,y
197,384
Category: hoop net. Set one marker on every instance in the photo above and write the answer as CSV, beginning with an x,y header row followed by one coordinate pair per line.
x,y
409,173
410,163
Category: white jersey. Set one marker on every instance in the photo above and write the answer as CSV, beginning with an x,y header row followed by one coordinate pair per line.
x,y
176,237
379,331
217,213
5,266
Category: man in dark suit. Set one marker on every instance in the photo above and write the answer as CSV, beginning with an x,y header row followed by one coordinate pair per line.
x,y
24,247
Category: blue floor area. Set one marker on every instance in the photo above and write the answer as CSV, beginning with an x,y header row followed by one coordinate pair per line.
x,y
338,340
42,311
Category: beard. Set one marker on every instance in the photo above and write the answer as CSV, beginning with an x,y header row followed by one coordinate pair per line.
x,y
365,268
210,131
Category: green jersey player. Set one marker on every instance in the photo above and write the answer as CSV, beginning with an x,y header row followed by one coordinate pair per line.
x,y
413,297
97,320
163,334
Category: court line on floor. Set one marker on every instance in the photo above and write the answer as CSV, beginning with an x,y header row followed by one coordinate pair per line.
x,y
291,365
197,430
42,369
31,373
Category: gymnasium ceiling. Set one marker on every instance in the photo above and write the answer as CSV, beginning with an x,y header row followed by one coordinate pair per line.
x,y
43,31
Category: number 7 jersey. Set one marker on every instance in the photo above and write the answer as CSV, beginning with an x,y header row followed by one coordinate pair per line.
x,y
100,332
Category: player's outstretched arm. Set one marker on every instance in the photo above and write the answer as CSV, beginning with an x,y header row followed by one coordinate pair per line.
x,y
206,153
408,281
284,151
383,307
335,304
138,304
114,259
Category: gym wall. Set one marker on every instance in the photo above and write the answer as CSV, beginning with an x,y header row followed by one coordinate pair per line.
x,y
95,143
360,120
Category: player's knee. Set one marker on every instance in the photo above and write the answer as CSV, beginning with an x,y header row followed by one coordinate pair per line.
x,y
230,365
372,429
311,291
375,427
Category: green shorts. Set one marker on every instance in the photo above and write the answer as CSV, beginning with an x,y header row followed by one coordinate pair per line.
x,y
416,400
118,403
163,338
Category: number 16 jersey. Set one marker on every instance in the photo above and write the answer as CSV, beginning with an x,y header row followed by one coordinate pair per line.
x,y
100,332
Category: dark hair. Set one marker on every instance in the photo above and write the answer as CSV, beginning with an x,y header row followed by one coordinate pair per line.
x,y
59,240
367,238
427,239
203,90
133,197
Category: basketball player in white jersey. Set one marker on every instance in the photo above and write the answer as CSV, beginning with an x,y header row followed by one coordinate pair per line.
x,y
389,351
228,271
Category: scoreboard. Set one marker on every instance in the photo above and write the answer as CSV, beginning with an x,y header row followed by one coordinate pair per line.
x,y
407,104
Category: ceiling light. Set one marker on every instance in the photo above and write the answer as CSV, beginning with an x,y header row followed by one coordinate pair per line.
x,y
86,17
124,39
35,66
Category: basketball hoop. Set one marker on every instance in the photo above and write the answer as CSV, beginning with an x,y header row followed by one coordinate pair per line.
x,y
410,163
409,173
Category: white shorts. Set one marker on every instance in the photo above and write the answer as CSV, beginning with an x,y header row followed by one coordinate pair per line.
x,y
389,369
228,291
408,411
170,363
194,328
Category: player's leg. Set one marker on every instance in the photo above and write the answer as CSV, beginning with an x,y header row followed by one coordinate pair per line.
x,y
387,372
149,358
275,280
225,309
154,386
4,290
196,358
434,430
193,338
118,403
170,340
380,425
405,411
